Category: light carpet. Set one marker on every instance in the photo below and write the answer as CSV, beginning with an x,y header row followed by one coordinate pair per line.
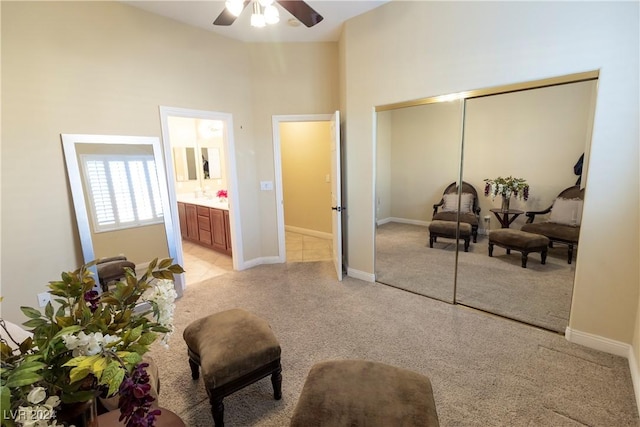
x,y
485,370
539,294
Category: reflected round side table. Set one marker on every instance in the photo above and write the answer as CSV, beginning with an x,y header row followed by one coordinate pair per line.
x,y
506,217
165,419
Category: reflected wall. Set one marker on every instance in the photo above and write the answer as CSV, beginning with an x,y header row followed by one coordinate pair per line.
x,y
418,152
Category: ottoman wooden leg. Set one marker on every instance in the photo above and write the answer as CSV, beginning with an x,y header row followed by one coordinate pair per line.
x,y
195,369
524,259
276,381
466,244
543,256
490,249
508,251
431,240
217,410
570,254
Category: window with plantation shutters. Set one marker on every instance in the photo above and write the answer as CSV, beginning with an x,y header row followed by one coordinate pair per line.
x,y
122,191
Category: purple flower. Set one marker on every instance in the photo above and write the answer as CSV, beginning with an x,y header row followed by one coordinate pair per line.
x,y
92,298
135,400
487,188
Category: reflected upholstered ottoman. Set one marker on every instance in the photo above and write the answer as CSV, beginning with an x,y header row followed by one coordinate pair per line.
x,y
234,348
447,229
342,393
520,241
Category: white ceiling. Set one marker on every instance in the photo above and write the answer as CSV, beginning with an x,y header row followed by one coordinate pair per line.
x,y
202,14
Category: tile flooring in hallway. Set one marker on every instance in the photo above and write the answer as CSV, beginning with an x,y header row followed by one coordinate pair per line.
x,y
304,248
202,263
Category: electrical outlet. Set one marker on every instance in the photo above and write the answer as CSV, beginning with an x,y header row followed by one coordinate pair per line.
x,y
43,298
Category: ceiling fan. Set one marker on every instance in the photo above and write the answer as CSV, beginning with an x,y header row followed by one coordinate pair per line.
x,y
265,12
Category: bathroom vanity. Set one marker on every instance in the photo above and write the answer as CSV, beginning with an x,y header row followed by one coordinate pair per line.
x,y
206,222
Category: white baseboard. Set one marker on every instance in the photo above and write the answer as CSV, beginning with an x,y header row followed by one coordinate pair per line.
x,y
357,274
612,347
308,232
259,261
635,374
597,342
403,221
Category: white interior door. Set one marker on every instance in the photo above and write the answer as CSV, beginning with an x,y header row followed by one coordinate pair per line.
x,y
336,196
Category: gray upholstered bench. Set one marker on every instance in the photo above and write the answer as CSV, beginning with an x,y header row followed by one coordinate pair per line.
x,y
234,348
521,241
447,229
110,269
362,393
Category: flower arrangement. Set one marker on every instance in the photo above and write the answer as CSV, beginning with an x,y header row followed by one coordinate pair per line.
x,y
506,187
90,346
222,194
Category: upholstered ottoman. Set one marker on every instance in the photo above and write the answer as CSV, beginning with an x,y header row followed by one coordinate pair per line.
x,y
447,229
519,241
234,348
362,393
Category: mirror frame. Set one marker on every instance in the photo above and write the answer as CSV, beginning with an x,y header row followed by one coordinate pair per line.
x,y
69,142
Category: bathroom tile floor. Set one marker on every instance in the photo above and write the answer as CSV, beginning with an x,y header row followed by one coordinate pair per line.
x,y
201,263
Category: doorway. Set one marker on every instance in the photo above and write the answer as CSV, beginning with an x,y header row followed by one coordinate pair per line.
x,y
203,182
304,151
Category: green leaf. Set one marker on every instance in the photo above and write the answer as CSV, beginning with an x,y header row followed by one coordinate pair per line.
x,y
112,377
147,338
163,274
165,263
78,374
30,367
26,345
5,403
20,378
34,323
153,264
68,330
65,321
48,310
176,269
31,312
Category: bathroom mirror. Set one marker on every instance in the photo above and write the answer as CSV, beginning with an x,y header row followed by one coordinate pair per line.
x,y
535,130
184,162
211,167
119,192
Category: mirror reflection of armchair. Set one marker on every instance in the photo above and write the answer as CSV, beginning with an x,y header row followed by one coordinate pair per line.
x,y
469,209
563,223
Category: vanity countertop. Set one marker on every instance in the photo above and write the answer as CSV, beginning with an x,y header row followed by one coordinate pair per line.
x,y
203,201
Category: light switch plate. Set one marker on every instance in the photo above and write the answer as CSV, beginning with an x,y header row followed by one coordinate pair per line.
x,y
266,185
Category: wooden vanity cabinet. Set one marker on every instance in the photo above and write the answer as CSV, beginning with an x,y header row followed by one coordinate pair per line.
x,y
206,226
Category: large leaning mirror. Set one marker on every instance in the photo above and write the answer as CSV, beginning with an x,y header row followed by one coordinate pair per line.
x,y
537,131
120,198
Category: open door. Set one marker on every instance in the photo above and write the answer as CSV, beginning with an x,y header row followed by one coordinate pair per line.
x,y
336,196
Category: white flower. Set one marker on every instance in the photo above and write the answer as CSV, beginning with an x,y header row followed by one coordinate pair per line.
x,y
163,294
37,395
52,402
87,344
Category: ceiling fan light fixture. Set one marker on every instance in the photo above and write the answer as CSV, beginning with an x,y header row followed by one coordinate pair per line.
x,y
257,18
234,7
266,3
271,14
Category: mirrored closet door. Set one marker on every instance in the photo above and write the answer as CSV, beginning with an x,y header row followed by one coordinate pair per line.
x,y
418,157
537,131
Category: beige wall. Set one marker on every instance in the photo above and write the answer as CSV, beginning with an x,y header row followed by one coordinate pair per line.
x,y
473,45
306,162
290,78
105,68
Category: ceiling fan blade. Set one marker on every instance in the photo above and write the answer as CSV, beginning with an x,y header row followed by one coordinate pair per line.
x,y
226,18
302,11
